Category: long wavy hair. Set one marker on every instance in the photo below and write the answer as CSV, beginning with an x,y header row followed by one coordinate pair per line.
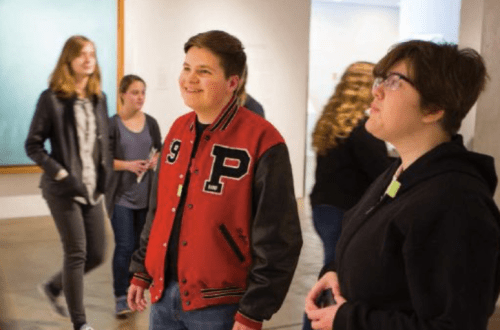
x,y
345,108
62,80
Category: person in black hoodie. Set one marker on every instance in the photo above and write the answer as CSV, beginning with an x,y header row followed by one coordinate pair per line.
x,y
421,248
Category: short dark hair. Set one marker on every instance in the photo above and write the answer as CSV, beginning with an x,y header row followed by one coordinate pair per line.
x,y
447,78
126,81
226,47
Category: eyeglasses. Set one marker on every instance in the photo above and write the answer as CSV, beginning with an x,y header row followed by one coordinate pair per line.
x,y
392,81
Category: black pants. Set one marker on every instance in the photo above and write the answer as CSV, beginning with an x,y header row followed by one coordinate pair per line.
x,y
82,232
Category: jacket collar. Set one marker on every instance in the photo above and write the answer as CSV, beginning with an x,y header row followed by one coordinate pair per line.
x,y
224,118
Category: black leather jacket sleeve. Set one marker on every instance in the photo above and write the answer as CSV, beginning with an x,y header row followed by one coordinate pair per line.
x,y
138,257
276,235
41,128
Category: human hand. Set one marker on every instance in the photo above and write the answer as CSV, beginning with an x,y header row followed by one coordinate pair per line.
x,y
138,166
238,326
322,318
135,298
327,281
154,161
61,174
69,186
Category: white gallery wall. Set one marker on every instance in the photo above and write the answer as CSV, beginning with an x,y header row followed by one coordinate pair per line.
x,y
275,34
341,34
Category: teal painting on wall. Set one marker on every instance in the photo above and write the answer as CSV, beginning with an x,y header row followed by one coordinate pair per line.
x,y
32,34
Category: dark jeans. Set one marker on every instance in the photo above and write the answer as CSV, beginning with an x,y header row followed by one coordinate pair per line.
x,y
81,228
167,314
127,226
327,221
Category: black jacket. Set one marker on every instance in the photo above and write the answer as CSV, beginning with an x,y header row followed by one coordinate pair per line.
x,y
346,171
114,190
428,258
54,120
254,106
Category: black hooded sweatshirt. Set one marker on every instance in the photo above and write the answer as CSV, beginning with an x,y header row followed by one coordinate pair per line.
x,y
429,257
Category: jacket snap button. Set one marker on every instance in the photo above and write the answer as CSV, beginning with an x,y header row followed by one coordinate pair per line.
x,y
184,281
207,137
190,206
186,293
188,303
184,243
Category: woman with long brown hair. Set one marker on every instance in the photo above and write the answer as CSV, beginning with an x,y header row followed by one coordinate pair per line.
x,y
72,114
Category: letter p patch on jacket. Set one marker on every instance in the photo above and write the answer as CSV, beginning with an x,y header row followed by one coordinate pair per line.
x,y
228,162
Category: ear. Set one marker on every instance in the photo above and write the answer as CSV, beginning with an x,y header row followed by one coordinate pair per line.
x,y
233,83
433,115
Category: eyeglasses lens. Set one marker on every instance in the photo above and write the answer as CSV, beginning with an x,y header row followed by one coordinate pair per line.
x,y
392,82
377,82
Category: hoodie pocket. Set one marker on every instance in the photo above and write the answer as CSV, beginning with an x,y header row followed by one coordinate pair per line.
x,y
231,242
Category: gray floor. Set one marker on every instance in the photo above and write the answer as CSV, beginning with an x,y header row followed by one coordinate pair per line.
x,y
30,251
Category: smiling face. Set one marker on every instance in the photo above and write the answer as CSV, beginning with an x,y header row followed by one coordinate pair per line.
x,y
85,63
203,84
135,96
396,115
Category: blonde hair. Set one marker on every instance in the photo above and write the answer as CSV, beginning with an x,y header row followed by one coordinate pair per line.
x,y
345,108
241,92
62,80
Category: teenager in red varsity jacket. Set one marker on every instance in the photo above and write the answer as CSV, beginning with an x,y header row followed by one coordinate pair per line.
x,y
222,238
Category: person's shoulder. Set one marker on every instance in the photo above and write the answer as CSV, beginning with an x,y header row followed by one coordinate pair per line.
x,y
183,122
359,132
186,118
255,122
252,117
448,193
453,206
151,119
254,106
49,99
47,93
113,119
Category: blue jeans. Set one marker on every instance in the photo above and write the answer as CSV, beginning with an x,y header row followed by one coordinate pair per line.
x,y
167,314
327,221
127,226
